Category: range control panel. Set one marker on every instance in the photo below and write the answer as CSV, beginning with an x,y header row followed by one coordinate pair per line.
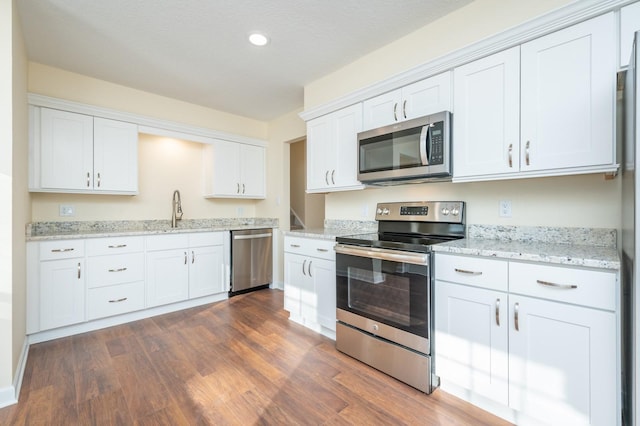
x,y
422,211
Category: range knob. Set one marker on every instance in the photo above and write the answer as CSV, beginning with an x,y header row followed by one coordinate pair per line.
x,y
455,211
385,211
379,211
445,211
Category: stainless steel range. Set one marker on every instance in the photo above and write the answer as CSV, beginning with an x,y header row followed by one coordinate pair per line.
x,y
383,288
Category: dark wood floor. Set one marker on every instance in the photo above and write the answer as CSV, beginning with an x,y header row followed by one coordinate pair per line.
x,y
239,361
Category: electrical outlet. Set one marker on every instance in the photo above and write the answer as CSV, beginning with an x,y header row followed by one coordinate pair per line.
x,y
67,210
505,208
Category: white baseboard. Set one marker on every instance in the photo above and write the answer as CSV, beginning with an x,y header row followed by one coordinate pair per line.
x,y
9,395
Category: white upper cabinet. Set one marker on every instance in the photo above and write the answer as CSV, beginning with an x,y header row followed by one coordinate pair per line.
x,y
332,151
486,101
629,24
73,152
544,108
415,100
567,99
234,170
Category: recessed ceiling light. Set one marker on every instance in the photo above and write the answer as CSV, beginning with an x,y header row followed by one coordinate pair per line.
x,y
258,39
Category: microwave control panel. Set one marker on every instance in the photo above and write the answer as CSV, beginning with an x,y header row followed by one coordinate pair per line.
x,y
436,156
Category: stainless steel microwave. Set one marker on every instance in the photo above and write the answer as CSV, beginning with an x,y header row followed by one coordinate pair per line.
x,y
417,150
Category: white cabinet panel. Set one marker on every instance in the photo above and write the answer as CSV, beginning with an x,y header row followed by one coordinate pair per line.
x,y
114,300
472,339
115,269
332,151
486,121
167,277
115,151
234,170
568,94
62,292
424,97
66,147
206,271
562,362
629,24
323,273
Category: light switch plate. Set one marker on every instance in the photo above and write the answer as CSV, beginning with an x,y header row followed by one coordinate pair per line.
x,y
67,210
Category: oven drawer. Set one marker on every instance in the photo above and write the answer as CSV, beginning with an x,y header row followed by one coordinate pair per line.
x,y
584,287
312,247
486,273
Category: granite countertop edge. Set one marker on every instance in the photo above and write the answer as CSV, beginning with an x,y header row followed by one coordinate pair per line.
x,y
140,228
551,253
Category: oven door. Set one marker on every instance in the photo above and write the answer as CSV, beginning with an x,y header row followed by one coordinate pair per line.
x,y
385,293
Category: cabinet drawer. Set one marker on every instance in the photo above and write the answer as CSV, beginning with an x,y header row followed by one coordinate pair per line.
x,y
63,249
206,239
116,269
115,245
312,247
114,300
476,271
167,242
570,285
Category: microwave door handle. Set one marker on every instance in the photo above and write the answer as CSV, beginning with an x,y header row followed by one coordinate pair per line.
x,y
424,138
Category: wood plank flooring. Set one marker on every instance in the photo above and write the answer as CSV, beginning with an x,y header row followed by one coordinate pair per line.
x,y
239,361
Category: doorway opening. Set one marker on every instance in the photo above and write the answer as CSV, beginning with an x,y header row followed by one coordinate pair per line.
x,y
306,210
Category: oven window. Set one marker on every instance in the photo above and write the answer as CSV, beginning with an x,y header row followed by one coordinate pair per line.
x,y
394,293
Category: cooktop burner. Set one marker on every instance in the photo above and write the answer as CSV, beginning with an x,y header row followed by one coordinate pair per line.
x,y
412,226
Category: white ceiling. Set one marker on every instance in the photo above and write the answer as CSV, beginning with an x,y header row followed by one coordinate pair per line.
x,y
197,50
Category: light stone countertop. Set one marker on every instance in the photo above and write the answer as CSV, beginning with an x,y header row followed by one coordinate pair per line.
x,y
586,247
47,231
562,254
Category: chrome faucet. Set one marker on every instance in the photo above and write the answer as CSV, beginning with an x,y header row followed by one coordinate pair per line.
x,y
176,207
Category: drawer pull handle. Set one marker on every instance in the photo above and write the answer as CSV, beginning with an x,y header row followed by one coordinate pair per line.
x,y
464,271
516,307
62,250
78,270
322,250
118,300
118,270
117,246
550,284
498,312
295,245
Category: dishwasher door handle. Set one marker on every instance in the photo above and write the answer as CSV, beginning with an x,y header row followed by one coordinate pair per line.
x,y
251,236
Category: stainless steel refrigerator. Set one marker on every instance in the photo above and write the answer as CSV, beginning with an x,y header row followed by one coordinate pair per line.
x,y
630,242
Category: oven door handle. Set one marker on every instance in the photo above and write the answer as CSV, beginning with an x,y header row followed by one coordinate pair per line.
x,y
384,254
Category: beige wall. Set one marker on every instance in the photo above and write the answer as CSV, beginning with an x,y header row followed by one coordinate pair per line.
x,y
21,202
6,137
586,200
298,178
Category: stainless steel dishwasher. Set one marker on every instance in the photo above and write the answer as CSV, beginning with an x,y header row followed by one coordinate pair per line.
x,y
251,259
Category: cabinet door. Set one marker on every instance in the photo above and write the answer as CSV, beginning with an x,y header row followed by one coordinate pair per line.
x,y
293,282
319,149
167,277
427,96
253,171
629,24
568,90
323,274
562,362
486,128
225,173
206,271
62,293
115,149
382,110
346,124
471,339
66,150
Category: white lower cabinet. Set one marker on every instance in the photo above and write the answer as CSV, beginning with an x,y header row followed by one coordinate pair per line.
x,y
75,281
310,282
546,347
183,266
